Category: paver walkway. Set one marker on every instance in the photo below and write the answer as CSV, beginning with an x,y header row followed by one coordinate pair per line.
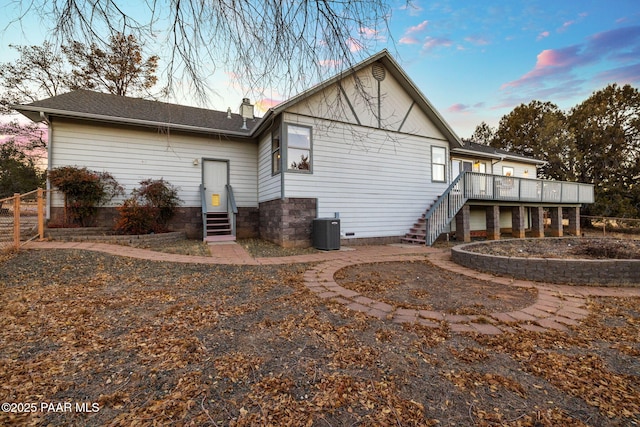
x,y
556,307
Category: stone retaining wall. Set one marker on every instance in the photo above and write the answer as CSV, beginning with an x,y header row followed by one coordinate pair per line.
x,y
614,272
104,235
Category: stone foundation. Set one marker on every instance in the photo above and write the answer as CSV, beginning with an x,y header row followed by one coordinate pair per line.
x,y
288,222
364,241
247,223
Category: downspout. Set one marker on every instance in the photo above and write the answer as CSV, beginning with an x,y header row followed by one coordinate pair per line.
x,y
493,163
44,118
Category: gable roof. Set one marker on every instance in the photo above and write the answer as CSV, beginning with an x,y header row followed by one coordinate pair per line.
x,y
385,58
108,108
474,149
96,106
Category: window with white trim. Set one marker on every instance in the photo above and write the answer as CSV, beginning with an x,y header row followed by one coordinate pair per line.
x,y
298,148
275,152
438,164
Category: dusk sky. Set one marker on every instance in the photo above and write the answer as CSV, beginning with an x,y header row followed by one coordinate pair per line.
x,y
477,60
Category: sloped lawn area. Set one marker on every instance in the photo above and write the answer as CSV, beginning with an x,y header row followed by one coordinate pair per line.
x,y
127,342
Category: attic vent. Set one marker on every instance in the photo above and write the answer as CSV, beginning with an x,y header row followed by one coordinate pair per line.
x,y
378,72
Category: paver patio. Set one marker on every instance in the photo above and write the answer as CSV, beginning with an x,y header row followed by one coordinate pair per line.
x,y
556,305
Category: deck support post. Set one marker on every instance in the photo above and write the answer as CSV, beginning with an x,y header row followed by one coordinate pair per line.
x,y
537,221
556,221
463,224
518,222
493,222
574,220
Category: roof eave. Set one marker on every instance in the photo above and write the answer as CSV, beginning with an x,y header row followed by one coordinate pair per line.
x,y
34,114
497,156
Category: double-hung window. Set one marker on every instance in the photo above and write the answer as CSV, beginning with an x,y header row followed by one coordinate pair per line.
x,y
298,148
438,164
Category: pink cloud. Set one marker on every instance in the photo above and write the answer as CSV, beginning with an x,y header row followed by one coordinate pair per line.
x,y
542,35
354,45
617,40
622,75
408,40
477,40
458,108
552,62
417,28
565,26
266,103
371,33
431,43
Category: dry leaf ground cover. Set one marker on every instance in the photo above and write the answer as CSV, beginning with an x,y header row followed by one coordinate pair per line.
x,y
149,343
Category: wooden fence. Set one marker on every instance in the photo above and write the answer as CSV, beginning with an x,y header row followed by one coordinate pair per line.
x,y
612,225
22,219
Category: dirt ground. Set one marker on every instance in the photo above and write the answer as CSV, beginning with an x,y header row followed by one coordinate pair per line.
x,y
422,285
129,342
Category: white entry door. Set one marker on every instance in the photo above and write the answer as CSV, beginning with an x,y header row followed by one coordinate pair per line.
x,y
215,178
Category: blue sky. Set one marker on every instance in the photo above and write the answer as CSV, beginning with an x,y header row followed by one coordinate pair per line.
x,y
477,60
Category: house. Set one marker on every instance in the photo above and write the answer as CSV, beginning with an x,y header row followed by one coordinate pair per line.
x,y
365,146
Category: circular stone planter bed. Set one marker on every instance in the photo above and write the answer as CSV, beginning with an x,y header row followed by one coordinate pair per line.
x,y
584,261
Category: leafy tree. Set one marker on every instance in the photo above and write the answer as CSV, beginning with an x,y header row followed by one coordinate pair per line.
x,y
20,153
41,72
607,134
18,171
302,165
539,130
483,134
120,69
274,44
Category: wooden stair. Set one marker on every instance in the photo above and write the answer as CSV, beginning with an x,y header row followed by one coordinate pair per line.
x,y
417,234
218,227
437,218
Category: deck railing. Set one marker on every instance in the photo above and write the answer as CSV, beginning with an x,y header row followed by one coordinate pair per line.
x,y
480,186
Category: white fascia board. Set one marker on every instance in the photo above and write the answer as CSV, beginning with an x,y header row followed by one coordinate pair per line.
x,y
497,156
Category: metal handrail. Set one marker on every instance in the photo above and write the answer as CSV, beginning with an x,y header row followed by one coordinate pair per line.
x,y
232,208
445,209
203,202
231,200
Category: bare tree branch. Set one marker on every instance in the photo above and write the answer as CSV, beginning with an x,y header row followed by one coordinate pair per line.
x,y
283,44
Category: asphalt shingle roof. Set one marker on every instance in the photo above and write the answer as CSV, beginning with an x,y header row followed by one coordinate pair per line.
x,y
495,152
96,105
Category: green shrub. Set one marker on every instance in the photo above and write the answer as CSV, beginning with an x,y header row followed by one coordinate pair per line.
x,y
84,190
149,208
